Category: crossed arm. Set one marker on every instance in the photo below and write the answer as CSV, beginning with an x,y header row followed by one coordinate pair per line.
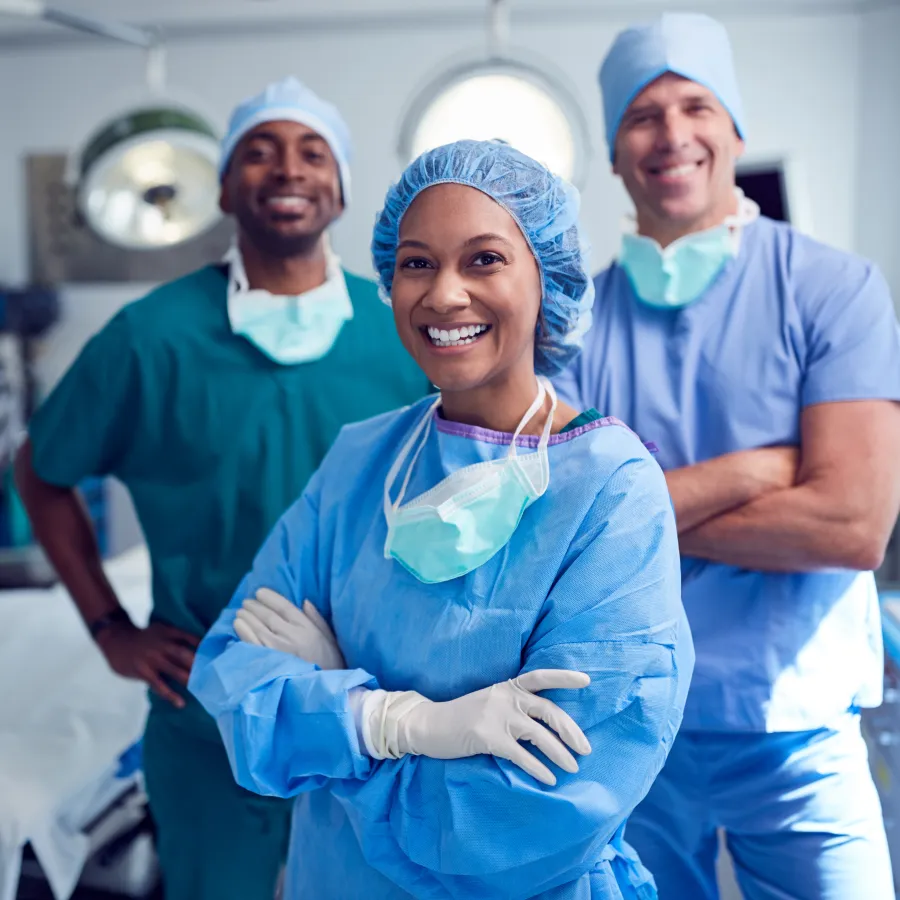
x,y
833,504
289,726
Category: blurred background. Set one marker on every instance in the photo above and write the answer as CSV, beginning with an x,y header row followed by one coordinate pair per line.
x,y
820,80
96,206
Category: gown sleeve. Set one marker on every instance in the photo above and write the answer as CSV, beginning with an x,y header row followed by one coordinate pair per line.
x,y
481,826
263,699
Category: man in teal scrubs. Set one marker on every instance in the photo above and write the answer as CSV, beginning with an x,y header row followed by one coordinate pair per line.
x,y
213,399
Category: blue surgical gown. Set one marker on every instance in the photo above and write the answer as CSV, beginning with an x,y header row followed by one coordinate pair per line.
x,y
788,323
589,581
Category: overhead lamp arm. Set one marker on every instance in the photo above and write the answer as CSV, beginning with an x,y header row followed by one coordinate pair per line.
x,y
498,28
117,31
155,71
155,68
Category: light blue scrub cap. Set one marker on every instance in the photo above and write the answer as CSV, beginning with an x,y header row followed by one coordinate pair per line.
x,y
688,44
544,206
290,100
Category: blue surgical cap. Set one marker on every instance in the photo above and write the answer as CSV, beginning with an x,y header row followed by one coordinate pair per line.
x,y
691,45
290,100
544,206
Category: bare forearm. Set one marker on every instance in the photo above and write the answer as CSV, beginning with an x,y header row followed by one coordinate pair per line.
x,y
837,513
800,529
63,528
698,495
708,489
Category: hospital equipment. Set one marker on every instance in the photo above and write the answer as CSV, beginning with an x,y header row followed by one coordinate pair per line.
x,y
147,176
881,726
63,729
481,95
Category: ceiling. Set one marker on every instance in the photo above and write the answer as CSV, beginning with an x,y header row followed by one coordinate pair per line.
x,y
193,18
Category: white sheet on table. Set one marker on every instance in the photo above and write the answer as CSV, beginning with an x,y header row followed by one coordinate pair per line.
x,y
65,718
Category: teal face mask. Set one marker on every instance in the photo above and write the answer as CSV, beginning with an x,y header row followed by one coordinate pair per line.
x,y
289,329
463,521
673,277
680,273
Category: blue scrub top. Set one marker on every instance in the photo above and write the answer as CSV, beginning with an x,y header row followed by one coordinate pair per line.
x,y
788,323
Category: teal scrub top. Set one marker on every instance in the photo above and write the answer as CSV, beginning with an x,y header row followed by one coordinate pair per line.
x,y
582,419
212,438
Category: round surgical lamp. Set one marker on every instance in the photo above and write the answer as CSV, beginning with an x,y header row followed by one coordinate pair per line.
x,y
148,178
505,95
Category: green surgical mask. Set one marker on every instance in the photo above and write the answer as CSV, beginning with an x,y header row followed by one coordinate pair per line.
x,y
289,329
677,275
463,521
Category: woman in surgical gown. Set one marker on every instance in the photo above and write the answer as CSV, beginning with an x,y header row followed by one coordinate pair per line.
x,y
387,660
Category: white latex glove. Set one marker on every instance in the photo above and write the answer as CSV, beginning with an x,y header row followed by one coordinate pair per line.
x,y
273,621
492,721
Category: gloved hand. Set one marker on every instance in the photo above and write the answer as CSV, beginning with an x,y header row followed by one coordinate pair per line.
x,y
273,621
492,720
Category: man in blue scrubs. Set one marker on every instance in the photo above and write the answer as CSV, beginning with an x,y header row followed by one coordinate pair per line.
x,y
766,367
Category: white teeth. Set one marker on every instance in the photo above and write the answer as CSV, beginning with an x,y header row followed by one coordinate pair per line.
x,y
679,171
292,203
455,337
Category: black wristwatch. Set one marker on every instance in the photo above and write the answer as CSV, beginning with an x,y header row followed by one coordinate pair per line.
x,y
101,624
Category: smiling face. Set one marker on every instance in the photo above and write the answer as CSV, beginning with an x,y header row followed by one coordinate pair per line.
x,y
283,187
676,151
466,292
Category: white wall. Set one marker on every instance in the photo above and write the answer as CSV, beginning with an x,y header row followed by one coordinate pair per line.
x,y
799,77
878,190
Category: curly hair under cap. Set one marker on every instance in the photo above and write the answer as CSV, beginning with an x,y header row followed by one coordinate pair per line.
x,y
543,205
